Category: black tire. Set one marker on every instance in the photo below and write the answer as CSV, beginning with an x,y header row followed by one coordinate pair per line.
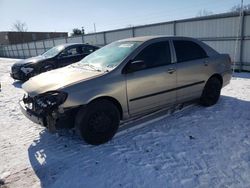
x,y
98,122
211,92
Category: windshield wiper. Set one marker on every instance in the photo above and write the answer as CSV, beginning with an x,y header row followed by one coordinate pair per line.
x,y
92,67
109,68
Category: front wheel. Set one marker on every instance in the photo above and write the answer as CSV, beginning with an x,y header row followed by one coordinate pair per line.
x,y
98,122
211,92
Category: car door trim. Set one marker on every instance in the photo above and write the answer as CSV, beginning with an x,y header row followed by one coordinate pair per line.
x,y
166,91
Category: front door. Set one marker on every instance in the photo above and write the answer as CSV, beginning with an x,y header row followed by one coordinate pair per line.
x,y
153,86
70,55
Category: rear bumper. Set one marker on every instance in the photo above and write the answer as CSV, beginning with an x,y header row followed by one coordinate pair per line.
x,y
32,115
227,77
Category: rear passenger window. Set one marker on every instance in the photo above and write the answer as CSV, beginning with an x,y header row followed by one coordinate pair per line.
x,y
154,55
188,50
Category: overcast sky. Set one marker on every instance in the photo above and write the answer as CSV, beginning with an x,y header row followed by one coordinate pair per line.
x,y
64,15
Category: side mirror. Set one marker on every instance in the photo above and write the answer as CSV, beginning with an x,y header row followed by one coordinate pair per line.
x,y
134,66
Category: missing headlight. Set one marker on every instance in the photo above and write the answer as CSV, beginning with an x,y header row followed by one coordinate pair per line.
x,y
50,100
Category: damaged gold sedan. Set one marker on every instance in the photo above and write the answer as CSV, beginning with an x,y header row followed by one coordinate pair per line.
x,y
125,79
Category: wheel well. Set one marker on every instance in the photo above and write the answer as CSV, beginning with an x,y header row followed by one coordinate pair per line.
x,y
114,101
219,77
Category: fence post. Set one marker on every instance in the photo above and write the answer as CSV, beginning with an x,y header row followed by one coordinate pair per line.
x,y
133,31
82,38
29,49
174,28
23,50
17,50
44,46
12,50
5,52
53,42
1,50
104,38
8,50
35,48
242,27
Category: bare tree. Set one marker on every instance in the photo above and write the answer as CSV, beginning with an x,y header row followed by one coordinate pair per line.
x,y
237,8
20,26
204,12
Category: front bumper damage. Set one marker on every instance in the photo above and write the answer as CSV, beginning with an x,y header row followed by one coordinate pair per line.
x,y
48,116
46,120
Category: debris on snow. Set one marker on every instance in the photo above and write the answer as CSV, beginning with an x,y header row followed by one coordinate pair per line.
x,y
191,137
1,182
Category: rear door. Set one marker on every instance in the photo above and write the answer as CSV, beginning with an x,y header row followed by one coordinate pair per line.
x,y
151,87
192,65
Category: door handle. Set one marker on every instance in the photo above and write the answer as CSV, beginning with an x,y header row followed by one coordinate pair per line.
x,y
205,63
171,70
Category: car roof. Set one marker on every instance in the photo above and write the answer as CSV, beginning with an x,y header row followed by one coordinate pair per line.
x,y
72,44
210,51
147,38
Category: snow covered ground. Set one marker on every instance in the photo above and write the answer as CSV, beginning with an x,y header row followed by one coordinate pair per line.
x,y
195,147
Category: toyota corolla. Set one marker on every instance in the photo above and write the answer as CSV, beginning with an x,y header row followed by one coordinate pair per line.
x,y
125,79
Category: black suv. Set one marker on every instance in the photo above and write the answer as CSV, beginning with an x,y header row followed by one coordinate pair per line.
x,y
56,57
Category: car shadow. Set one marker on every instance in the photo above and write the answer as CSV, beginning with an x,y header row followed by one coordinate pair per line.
x,y
245,75
17,84
64,160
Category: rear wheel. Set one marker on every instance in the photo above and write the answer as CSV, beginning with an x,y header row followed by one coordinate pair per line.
x,y
98,122
211,92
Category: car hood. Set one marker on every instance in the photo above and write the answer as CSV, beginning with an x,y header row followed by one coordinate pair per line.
x,y
30,60
57,79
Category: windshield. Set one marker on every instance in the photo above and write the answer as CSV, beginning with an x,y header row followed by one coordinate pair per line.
x,y
108,57
53,51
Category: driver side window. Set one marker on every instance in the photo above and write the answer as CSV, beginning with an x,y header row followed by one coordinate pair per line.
x,y
154,55
71,52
